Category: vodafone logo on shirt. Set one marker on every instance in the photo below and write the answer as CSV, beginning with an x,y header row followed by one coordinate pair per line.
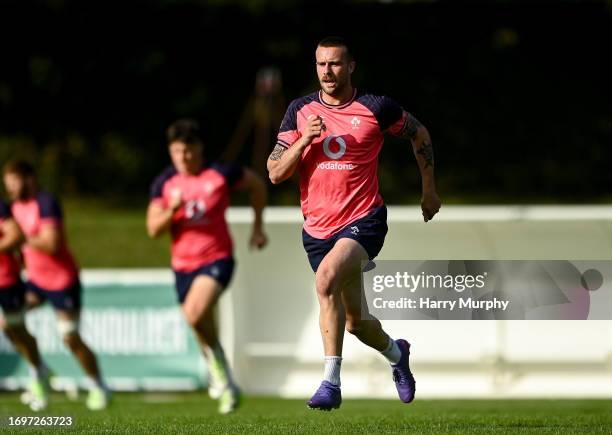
x,y
334,147
335,140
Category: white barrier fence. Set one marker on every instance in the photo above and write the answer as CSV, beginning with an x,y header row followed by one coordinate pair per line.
x,y
269,318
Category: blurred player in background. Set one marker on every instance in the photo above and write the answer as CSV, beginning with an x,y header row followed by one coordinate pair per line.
x,y
334,137
260,119
189,200
53,274
12,300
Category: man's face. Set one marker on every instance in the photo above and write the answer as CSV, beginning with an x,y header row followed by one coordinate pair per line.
x,y
186,158
15,186
333,69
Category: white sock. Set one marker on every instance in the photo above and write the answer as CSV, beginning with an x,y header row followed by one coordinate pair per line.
x,y
393,353
217,355
96,382
38,372
332,369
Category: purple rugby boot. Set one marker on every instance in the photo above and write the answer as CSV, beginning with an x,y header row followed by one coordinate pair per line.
x,y
326,398
404,381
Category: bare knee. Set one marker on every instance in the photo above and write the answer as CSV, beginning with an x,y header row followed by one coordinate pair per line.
x,y
195,317
200,301
192,317
326,281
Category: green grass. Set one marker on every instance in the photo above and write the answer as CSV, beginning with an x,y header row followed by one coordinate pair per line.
x,y
105,234
194,412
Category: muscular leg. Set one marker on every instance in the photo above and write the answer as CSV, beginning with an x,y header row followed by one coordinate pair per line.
x,y
364,326
24,343
15,329
198,309
36,395
338,285
99,395
336,275
335,266
369,331
74,342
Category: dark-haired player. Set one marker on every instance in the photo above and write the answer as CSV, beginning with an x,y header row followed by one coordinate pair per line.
x,y
189,200
53,274
12,301
333,137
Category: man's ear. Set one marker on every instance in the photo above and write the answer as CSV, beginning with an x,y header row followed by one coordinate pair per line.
x,y
351,66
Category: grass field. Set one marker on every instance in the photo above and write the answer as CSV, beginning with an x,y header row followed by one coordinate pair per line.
x,y
196,413
105,234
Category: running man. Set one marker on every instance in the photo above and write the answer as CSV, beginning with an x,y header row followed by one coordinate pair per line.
x,y
12,301
53,274
189,200
333,137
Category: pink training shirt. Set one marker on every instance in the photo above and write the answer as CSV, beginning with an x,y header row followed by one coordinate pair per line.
x,y
199,231
9,269
50,272
338,170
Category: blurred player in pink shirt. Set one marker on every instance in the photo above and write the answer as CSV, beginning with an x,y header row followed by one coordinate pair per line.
x,y
333,138
52,272
189,200
12,301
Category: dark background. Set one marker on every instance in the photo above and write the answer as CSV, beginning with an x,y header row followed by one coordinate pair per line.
x,y
516,95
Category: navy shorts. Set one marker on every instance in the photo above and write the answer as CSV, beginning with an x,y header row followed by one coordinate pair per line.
x,y
369,231
12,298
67,299
221,270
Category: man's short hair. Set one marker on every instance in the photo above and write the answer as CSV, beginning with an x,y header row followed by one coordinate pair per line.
x,y
336,41
184,130
20,167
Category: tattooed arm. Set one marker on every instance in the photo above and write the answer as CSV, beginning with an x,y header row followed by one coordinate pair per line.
x,y
283,162
423,151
